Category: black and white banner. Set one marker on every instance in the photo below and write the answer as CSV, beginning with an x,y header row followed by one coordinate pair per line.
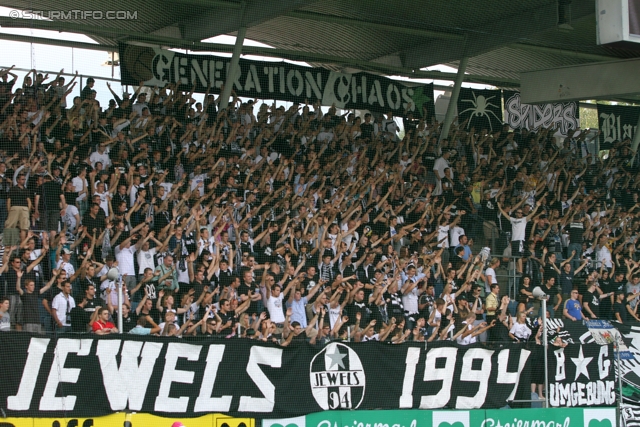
x,y
616,123
482,109
565,116
275,80
629,370
582,375
92,376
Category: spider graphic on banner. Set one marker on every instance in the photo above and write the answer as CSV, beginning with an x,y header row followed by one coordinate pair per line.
x,y
482,109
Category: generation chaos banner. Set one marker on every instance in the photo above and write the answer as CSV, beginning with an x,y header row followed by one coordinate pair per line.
x,y
275,80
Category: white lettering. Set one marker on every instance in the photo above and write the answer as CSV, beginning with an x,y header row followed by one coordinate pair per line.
x,y
252,80
164,403
560,372
407,93
314,85
603,363
297,91
261,356
392,91
22,400
270,71
204,402
199,73
505,377
444,374
406,399
282,77
375,96
480,376
59,374
129,381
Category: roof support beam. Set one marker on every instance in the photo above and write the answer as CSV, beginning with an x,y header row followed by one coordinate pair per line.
x,y
281,53
440,34
563,52
511,29
210,3
216,22
53,42
368,24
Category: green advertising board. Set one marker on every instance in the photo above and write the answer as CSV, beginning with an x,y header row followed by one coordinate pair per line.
x,y
553,417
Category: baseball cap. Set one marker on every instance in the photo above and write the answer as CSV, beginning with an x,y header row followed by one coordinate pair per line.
x,y
66,251
177,424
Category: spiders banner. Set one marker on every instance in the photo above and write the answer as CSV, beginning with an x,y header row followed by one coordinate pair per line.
x,y
482,109
566,115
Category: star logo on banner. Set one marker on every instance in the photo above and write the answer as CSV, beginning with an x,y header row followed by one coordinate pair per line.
x,y
336,358
419,98
581,363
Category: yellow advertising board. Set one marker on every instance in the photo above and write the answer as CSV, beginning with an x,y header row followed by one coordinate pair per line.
x,y
130,420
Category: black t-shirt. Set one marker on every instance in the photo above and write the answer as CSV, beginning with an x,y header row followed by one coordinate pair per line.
x,y
621,309
229,316
499,333
593,300
70,197
19,196
366,130
154,313
11,279
550,272
522,297
79,320
92,305
51,192
85,282
357,307
30,308
551,293
128,323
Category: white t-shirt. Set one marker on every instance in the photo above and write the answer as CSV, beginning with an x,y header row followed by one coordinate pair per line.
x,y
102,158
518,229
410,301
334,315
455,233
438,168
443,233
520,330
490,272
469,339
274,305
62,306
124,256
146,260
183,275
66,266
104,202
77,187
603,257
69,218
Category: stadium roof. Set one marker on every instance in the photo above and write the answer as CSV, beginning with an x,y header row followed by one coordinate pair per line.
x,y
501,37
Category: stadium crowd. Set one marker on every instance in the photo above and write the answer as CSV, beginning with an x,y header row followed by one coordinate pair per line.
x,y
299,224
